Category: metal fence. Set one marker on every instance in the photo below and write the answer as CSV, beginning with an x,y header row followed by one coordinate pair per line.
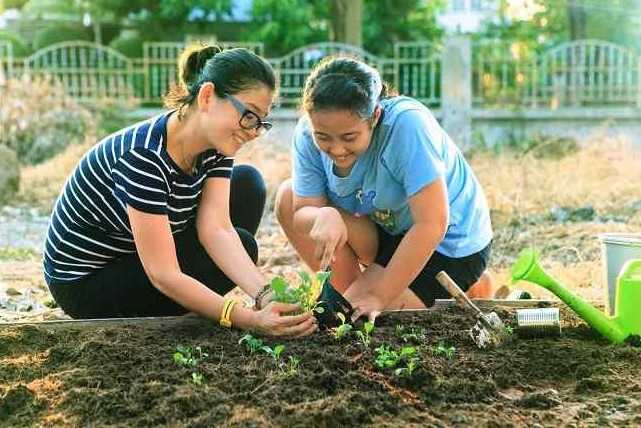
x,y
578,74
585,73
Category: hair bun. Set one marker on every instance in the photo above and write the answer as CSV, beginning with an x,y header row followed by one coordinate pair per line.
x,y
193,60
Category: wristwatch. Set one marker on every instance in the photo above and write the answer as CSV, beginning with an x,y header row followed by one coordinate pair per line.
x,y
266,289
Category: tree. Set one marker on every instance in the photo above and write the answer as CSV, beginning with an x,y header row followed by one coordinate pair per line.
x,y
347,21
284,25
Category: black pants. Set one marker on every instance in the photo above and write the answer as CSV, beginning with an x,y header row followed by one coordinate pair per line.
x,y
122,288
465,271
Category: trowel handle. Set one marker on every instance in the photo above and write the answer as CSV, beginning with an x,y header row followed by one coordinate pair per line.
x,y
459,295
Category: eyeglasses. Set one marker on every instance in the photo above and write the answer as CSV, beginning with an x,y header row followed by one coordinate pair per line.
x,y
248,119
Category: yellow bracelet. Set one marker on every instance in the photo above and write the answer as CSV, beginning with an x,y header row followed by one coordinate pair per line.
x,y
225,315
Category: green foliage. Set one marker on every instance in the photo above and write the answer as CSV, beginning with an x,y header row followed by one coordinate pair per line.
x,y
189,357
19,45
343,329
55,34
404,361
444,350
410,335
252,343
291,367
610,21
364,335
274,352
305,294
386,22
284,25
131,47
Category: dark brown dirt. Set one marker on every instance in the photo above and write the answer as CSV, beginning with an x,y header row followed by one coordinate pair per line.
x,y
126,376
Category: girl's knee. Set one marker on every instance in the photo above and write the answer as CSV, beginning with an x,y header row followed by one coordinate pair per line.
x,y
283,205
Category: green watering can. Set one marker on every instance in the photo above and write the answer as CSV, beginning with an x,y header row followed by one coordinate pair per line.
x,y
627,317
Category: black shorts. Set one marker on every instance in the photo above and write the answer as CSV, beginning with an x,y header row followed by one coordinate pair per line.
x,y
465,271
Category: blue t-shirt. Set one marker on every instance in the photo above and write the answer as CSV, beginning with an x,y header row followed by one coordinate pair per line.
x,y
409,150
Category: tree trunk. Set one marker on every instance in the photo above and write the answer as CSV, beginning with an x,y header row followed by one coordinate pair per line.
x,y
577,19
347,17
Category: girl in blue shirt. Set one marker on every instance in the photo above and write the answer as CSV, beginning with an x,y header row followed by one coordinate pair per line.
x,y
377,184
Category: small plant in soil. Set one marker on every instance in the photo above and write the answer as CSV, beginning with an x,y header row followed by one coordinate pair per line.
x,y
444,350
404,361
365,334
305,294
410,335
290,368
252,343
190,357
274,352
343,329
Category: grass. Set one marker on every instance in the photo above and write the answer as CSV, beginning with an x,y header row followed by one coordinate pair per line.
x,y
18,254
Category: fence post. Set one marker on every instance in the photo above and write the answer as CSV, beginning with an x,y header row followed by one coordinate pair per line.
x,y
456,89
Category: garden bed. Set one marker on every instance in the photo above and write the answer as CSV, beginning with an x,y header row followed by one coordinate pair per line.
x,y
120,374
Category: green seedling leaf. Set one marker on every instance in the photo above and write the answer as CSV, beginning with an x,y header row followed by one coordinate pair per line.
x,y
278,350
279,285
368,327
343,329
364,334
197,378
445,351
252,343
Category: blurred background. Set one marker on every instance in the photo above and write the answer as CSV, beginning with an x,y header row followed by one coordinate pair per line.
x,y
544,97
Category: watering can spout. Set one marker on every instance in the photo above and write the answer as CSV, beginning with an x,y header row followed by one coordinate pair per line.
x,y
527,268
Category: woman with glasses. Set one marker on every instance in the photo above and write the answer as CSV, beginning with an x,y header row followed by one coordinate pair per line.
x,y
156,219
381,194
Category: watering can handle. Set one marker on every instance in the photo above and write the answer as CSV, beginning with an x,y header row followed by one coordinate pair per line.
x,y
459,295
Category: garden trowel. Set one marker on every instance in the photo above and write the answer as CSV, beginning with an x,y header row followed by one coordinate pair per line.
x,y
489,330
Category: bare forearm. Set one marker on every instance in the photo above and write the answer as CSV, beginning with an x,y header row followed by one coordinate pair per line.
x,y
196,297
226,250
304,219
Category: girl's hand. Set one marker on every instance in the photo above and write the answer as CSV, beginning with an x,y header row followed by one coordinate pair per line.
x,y
271,321
368,305
329,232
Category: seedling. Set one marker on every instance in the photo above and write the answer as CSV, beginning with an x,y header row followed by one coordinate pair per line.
x,y
364,335
444,350
188,357
252,343
185,356
388,358
197,378
410,335
274,352
291,367
344,329
305,294
412,364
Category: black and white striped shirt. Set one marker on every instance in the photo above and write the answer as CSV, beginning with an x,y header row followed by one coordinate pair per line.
x,y
89,225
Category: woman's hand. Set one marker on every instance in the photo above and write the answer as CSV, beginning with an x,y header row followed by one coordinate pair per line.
x,y
369,305
329,232
271,321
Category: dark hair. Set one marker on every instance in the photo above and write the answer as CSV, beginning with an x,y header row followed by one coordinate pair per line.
x,y
230,70
346,84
